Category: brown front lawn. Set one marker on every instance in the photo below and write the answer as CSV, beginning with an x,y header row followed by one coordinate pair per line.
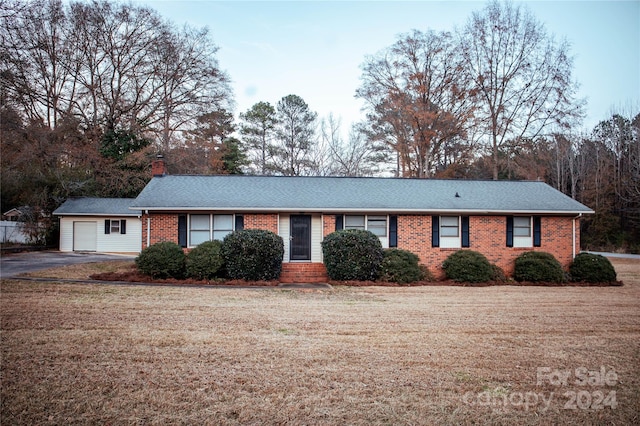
x,y
75,353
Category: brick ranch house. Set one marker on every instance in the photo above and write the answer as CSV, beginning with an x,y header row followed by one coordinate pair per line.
x,y
431,218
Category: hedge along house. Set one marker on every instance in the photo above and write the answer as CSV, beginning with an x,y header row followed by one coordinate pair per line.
x,y
431,218
100,225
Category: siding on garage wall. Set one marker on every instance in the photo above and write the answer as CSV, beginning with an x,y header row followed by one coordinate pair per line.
x,y
131,242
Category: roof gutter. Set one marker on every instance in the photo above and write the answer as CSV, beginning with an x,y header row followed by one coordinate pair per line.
x,y
361,210
102,214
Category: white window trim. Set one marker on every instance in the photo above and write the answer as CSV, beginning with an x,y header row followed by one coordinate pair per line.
x,y
384,239
523,242
451,242
111,227
211,226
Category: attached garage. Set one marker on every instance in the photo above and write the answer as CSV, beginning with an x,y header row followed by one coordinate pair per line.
x,y
84,236
104,225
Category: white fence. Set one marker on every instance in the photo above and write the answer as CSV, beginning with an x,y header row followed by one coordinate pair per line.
x,y
13,232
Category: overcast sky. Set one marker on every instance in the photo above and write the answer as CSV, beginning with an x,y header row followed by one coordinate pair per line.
x,y
315,49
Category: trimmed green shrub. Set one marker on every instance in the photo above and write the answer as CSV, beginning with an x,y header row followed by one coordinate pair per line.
x,y
400,266
427,275
592,268
205,261
162,260
467,266
253,254
352,254
497,274
537,266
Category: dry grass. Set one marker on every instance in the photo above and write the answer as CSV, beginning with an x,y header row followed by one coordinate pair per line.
x,y
419,355
82,271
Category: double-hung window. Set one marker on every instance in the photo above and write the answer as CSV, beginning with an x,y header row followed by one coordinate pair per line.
x,y
376,224
199,229
354,222
205,227
115,226
524,231
450,231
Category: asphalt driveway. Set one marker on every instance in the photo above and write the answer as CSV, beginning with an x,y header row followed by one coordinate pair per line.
x,y
19,263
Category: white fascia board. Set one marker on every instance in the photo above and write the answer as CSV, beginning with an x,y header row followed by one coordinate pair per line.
x,y
364,210
100,214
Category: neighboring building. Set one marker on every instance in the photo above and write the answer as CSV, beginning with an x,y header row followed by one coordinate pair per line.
x,y
22,225
18,214
429,217
13,231
100,225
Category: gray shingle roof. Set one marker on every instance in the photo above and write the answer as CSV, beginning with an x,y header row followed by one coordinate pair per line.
x,y
341,194
97,207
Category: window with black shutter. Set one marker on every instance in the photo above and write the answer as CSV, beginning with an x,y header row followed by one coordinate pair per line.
x,y
393,231
239,222
435,231
537,231
465,231
182,230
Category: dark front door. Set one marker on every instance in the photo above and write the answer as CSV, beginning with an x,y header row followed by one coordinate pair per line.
x,y
300,248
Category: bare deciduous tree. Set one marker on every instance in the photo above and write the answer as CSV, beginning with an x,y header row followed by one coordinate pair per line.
x,y
521,75
418,101
355,156
112,66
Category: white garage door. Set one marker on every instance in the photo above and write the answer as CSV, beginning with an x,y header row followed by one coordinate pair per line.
x,y
84,236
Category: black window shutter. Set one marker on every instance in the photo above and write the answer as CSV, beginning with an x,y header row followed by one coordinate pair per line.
x,y
339,222
182,230
393,231
509,231
239,222
465,231
537,231
123,226
107,226
435,231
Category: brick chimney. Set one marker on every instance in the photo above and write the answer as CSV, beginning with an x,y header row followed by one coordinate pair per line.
x,y
158,168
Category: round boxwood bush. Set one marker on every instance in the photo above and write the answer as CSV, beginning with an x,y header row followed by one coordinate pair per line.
x,y
253,255
400,266
205,261
352,254
162,260
497,274
592,268
467,266
538,266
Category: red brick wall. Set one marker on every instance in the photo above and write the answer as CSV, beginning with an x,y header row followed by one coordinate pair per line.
x,y
487,234
164,227
303,272
328,224
268,222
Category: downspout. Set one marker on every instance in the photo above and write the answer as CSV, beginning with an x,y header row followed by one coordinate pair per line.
x,y
573,246
149,228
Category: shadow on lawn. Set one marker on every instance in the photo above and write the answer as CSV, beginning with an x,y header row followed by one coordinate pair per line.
x,y
134,276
